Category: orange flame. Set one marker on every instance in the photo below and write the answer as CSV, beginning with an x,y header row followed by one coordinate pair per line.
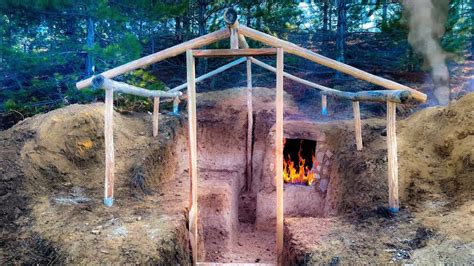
x,y
299,174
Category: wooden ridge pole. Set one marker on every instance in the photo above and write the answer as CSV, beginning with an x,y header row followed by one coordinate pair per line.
x,y
331,63
392,164
279,156
249,124
357,125
193,211
156,114
109,148
159,56
324,105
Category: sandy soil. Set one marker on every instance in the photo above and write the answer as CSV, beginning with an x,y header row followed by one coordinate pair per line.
x,y
51,191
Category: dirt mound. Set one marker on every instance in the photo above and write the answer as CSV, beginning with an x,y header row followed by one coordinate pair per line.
x,y
53,186
435,152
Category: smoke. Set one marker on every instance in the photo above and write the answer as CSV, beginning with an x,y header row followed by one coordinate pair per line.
x,y
426,21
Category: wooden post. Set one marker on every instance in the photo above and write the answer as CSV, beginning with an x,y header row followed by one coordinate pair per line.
x,y
249,124
176,102
392,164
279,156
357,125
234,38
109,148
193,212
156,114
324,105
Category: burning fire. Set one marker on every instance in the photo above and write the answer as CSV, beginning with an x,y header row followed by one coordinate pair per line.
x,y
299,174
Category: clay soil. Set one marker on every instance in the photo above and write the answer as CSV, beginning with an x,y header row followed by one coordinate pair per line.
x,y
51,189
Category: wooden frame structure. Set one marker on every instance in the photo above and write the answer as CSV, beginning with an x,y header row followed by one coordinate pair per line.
x,y
396,94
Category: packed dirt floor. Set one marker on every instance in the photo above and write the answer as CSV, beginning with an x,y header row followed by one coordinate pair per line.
x,y
51,189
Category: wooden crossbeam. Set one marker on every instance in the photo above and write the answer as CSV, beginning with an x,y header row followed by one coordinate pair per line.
x,y
234,52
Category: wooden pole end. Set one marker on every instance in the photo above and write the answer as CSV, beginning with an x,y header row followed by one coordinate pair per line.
x,y
108,202
230,16
98,81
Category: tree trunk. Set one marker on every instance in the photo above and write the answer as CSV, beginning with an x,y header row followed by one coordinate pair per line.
x,y
90,44
341,30
178,30
202,65
384,13
249,14
472,22
259,18
325,16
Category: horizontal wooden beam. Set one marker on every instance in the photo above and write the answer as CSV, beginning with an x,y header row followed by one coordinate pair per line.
x,y
234,52
211,73
328,62
101,82
159,56
396,96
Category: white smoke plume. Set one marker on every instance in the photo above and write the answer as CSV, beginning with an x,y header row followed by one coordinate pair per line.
x,y
426,21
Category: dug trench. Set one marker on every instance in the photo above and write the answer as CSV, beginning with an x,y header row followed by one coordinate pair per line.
x,y
52,169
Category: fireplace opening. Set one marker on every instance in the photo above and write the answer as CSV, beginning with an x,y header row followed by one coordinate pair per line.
x,y
299,161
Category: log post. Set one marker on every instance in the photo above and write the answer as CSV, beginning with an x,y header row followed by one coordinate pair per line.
x,y
324,105
176,102
392,164
249,124
156,114
109,148
234,38
357,125
193,212
279,156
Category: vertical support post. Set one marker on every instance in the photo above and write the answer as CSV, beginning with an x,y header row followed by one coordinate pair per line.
x,y
324,104
234,38
279,155
109,148
156,114
393,201
249,123
193,212
357,125
176,102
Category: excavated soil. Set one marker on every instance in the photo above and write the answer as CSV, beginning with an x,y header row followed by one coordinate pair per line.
x,y
434,225
51,188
